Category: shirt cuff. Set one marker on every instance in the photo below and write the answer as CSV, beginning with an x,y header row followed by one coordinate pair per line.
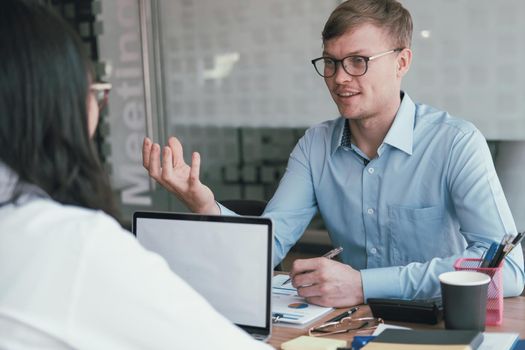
x,y
225,211
381,282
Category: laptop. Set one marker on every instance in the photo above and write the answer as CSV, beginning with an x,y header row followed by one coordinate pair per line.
x,y
227,259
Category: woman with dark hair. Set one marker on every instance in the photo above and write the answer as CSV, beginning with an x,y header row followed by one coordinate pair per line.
x,y
44,136
70,276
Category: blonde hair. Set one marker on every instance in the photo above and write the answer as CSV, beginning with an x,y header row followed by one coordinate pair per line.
x,y
389,15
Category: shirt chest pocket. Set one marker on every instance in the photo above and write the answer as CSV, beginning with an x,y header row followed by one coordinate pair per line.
x,y
415,234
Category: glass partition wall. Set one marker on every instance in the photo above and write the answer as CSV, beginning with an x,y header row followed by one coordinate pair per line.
x,y
233,80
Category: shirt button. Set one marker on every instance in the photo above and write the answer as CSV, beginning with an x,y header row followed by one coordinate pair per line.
x,y
373,250
371,170
370,211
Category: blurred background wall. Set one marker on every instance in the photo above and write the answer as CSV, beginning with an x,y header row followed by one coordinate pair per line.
x,y
233,80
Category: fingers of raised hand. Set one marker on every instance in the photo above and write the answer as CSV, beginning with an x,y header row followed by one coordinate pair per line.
x,y
176,150
146,151
167,163
195,168
153,166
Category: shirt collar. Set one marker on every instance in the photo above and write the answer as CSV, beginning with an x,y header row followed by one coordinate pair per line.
x,y
400,135
346,138
341,135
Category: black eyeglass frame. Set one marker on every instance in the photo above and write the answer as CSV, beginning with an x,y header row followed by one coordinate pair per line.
x,y
364,324
366,59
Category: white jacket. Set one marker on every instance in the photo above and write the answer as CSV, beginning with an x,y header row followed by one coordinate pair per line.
x,y
77,276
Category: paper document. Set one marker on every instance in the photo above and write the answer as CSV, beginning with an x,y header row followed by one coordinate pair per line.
x,y
499,341
290,307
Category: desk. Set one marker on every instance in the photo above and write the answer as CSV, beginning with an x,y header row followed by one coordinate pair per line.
x,y
513,321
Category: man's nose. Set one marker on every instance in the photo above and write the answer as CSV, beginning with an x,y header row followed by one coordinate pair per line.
x,y
341,75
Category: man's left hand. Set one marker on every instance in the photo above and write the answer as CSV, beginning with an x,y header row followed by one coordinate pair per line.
x,y
327,282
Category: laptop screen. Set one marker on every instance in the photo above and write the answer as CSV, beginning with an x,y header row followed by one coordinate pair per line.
x,y
228,260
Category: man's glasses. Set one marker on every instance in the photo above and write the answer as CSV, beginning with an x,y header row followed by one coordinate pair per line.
x,y
346,325
354,65
101,91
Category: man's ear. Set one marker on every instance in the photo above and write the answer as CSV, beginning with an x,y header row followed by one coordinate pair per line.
x,y
404,59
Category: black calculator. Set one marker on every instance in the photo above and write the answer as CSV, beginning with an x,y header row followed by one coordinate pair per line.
x,y
428,311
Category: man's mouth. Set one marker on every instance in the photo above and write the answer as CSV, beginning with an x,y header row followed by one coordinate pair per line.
x,y
347,94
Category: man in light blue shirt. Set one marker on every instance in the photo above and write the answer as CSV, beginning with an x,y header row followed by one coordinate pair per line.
x,y
404,188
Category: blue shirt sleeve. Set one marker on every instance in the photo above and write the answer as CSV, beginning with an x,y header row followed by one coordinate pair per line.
x,y
293,205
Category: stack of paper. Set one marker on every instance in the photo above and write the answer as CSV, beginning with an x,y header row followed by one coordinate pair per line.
x,y
289,307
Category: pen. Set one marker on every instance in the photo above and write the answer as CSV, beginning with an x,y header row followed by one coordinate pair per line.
x,y
331,254
482,258
502,251
343,315
497,256
510,246
518,238
276,317
489,255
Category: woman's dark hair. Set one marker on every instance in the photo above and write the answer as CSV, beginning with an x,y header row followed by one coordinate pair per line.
x,y
44,87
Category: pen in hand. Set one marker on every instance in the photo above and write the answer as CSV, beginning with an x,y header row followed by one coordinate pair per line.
x,y
330,255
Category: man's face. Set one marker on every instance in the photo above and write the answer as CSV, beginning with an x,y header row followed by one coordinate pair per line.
x,y
375,94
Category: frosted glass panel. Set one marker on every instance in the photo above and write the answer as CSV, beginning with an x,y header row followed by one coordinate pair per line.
x,y
468,60
244,62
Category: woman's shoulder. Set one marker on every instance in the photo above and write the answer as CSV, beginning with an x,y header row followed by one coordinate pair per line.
x,y
44,217
70,213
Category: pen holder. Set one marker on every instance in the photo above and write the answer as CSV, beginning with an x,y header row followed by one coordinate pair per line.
x,y
495,290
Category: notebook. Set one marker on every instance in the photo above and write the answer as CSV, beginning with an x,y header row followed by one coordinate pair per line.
x,y
491,340
227,259
305,342
402,339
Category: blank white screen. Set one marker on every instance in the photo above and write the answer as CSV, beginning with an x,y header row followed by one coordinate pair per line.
x,y
227,263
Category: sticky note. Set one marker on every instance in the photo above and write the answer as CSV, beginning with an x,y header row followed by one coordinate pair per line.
x,y
312,343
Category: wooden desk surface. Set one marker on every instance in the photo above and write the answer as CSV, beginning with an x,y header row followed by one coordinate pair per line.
x,y
513,321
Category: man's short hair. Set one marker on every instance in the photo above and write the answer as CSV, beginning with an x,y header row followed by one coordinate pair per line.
x,y
389,15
